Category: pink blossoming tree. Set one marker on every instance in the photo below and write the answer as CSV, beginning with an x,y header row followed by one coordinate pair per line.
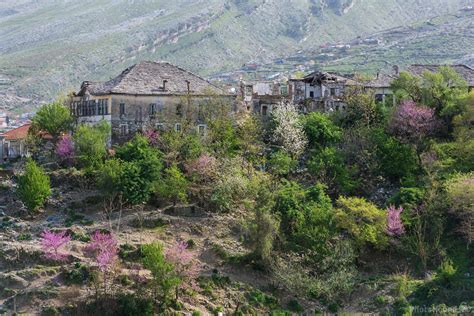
x,y
204,166
65,148
51,244
103,247
413,123
185,266
152,136
394,222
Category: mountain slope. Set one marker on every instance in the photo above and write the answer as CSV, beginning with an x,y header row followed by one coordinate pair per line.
x,y
51,46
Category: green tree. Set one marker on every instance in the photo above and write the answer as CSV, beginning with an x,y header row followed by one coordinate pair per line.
x,y
264,226
328,166
110,176
305,216
281,163
250,134
234,184
91,143
396,161
407,86
361,108
138,169
178,147
148,158
321,131
164,279
222,137
443,91
363,220
33,186
174,185
53,118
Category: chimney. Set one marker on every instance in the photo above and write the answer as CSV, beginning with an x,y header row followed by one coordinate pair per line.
x,y
396,70
164,84
188,85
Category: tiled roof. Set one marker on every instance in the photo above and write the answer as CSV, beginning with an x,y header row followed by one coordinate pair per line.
x,y
147,78
17,133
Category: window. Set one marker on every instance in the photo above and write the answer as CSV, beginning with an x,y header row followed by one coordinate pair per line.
x,y
264,110
284,90
91,111
379,98
333,91
122,108
248,90
100,107
179,110
202,129
160,127
123,130
311,94
177,127
152,109
106,107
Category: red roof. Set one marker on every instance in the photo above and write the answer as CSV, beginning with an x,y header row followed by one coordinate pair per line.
x,y
17,133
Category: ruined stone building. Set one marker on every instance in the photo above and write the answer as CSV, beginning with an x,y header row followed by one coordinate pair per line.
x,y
149,94
320,91
263,97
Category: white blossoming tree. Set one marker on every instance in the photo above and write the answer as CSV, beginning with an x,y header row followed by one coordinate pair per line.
x,y
289,132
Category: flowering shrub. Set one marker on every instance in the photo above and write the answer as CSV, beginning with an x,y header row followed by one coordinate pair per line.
x,y
65,148
185,266
394,222
152,136
289,132
52,242
104,248
412,123
204,166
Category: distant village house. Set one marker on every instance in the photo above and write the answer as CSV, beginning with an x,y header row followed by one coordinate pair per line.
x,y
13,143
321,91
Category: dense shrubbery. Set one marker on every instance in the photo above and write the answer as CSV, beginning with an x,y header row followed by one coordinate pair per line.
x,y
317,193
33,186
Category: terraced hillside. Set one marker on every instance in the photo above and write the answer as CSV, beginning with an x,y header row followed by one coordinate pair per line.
x,y
50,46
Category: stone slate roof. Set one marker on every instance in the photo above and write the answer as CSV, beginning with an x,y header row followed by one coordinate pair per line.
x,y
466,72
147,77
381,81
384,80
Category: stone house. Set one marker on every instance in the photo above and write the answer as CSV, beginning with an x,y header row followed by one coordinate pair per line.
x,y
262,97
13,143
320,91
155,95
381,85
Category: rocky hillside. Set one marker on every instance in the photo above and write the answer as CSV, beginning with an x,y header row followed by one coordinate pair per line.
x,y
50,46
